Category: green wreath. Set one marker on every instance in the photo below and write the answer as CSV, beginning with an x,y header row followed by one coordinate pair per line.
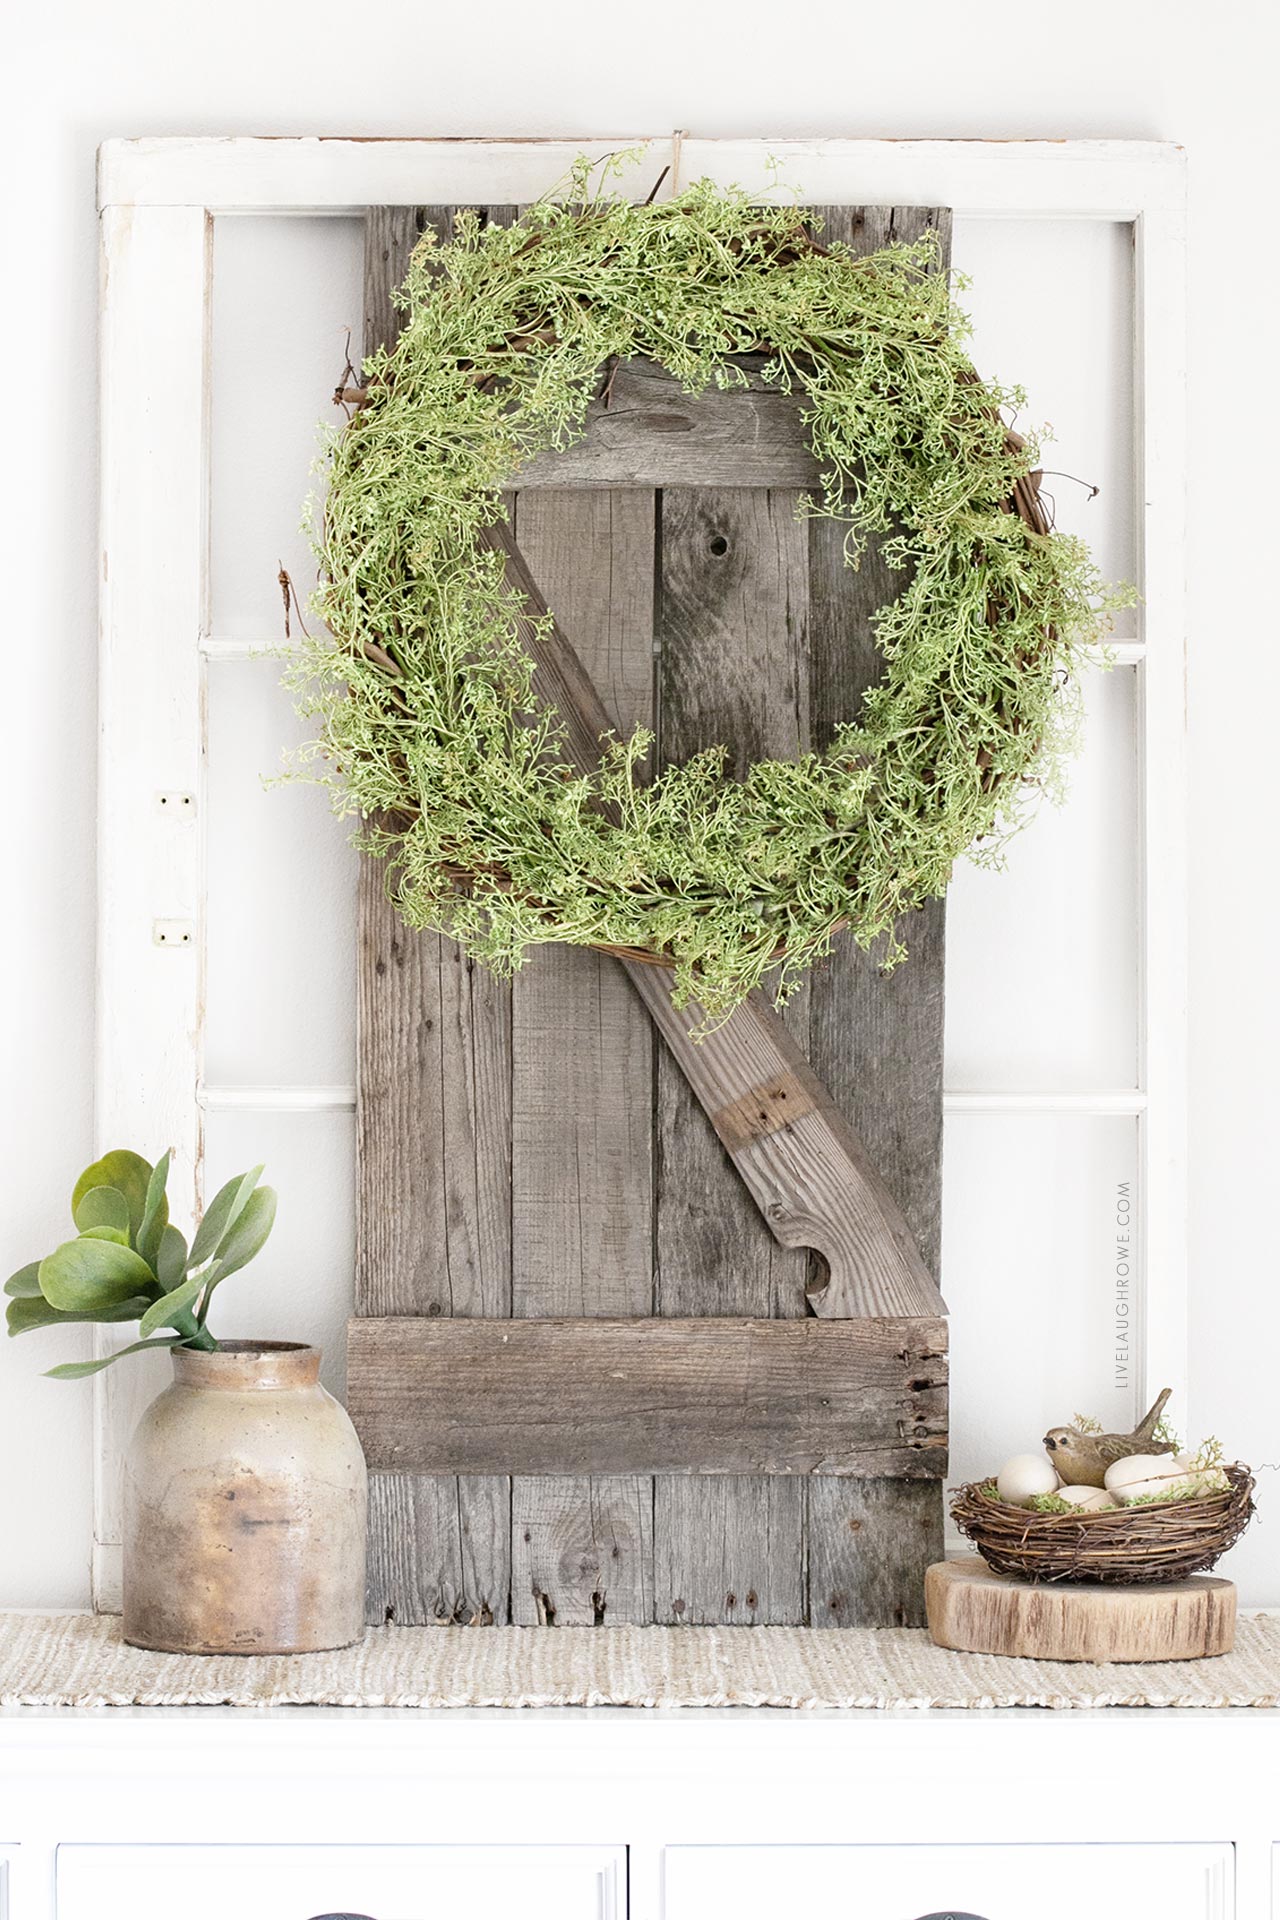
x,y
422,688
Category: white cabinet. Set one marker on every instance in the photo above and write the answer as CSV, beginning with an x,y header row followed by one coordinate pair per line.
x,y
381,1882
204,1814
1105,1882
4,1886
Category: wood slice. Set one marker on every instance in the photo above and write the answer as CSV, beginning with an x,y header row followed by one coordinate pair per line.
x,y
974,1610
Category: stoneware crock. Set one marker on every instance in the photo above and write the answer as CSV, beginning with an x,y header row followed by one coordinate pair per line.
x,y
245,1505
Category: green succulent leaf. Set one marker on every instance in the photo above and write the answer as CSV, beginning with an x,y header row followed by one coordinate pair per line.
x,y
155,1211
81,1369
248,1236
86,1274
222,1213
174,1307
171,1259
25,1283
120,1238
128,1172
26,1315
102,1207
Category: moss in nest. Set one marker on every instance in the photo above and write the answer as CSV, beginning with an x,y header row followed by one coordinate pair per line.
x,y
1052,1503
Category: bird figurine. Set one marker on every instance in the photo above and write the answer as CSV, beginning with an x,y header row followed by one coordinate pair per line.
x,y
1082,1459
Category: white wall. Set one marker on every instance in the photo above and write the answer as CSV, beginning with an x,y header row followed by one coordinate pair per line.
x,y
1140,70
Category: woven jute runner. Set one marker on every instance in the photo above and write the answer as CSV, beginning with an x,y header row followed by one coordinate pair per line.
x,y
79,1660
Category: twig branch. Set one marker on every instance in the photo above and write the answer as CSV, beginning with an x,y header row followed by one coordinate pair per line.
x,y
289,595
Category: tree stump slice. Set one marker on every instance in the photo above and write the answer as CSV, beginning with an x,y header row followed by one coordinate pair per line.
x,y
973,1610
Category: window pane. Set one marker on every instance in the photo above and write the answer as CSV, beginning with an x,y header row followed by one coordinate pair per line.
x,y
1041,1261
1052,310
281,893
300,1286
1042,955
285,292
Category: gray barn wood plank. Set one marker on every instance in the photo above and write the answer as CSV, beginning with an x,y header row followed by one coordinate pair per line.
x,y
582,1094
652,433
805,1168
811,1177
582,1551
657,437
724,1395
732,670
740,1532
440,1548
433,1208
876,1042
870,1542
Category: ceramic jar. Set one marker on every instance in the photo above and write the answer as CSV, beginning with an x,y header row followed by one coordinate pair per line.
x,y
245,1503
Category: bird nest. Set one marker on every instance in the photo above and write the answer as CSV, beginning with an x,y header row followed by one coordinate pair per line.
x,y
1140,1545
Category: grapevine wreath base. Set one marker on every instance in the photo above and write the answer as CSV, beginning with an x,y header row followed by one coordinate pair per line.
x,y
422,690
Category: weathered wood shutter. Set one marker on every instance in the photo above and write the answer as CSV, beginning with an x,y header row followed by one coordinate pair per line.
x,y
533,1152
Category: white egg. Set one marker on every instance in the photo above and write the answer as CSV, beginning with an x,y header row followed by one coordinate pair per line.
x,y
1143,1476
1088,1499
1203,1480
1022,1478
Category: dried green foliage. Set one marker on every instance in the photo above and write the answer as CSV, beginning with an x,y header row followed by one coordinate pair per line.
x,y
421,688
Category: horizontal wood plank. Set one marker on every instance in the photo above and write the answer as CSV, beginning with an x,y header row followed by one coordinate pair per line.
x,y
651,433
721,1396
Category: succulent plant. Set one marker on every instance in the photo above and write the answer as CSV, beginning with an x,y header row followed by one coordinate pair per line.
x,y
129,1262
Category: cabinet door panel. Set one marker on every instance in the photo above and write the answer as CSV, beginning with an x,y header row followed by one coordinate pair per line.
x,y
377,1883
1106,1882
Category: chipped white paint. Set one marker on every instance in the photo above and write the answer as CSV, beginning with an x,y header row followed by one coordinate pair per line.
x,y
1160,393
1089,179
155,268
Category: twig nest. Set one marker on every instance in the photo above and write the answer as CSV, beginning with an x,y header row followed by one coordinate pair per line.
x,y
1087,1499
1154,1542
1146,1476
1025,1477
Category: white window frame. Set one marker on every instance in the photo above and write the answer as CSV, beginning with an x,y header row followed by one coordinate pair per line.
x,y
158,200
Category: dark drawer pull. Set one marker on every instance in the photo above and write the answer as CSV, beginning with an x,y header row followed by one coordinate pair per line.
x,y
952,1913
342,1916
